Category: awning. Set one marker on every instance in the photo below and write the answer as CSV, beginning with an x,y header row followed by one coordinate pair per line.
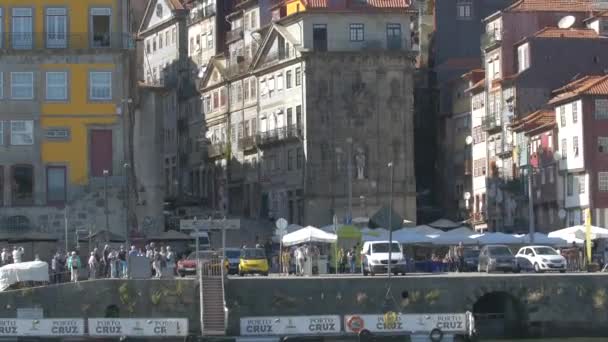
x,y
579,232
307,235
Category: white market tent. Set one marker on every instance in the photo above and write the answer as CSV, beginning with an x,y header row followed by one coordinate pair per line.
x,y
578,232
496,238
307,235
542,239
408,236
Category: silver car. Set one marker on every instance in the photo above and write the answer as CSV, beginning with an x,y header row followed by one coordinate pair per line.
x,y
497,258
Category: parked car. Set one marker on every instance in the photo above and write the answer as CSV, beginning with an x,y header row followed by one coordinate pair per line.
x,y
374,258
540,259
497,258
471,259
187,266
253,261
234,257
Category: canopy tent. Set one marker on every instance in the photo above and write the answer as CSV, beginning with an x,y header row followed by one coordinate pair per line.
x,y
542,239
496,238
407,236
461,231
579,232
293,227
426,230
452,239
308,234
37,271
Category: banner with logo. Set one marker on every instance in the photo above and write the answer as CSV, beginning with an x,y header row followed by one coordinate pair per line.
x,y
405,323
152,327
293,325
42,327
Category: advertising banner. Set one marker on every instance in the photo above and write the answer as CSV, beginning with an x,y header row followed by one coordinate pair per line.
x,y
42,327
151,327
396,323
292,325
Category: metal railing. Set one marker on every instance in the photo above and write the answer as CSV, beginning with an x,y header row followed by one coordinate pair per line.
x,y
279,134
505,148
247,143
235,34
489,123
44,41
216,150
202,13
489,39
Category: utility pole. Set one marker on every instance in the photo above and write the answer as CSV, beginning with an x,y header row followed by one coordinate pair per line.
x,y
126,203
530,206
105,192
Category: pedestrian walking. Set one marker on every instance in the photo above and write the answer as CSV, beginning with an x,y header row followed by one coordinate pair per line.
x,y
171,263
122,261
350,256
285,261
74,266
18,254
56,268
300,259
93,265
4,257
113,261
106,267
156,264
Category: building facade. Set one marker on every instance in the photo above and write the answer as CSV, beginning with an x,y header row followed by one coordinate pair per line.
x,y
63,101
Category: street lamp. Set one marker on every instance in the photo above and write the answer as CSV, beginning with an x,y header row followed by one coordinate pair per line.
x,y
390,220
126,203
106,173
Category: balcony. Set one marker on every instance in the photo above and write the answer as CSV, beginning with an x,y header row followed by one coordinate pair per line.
x,y
196,16
504,150
490,40
43,41
234,35
491,123
247,143
216,150
279,135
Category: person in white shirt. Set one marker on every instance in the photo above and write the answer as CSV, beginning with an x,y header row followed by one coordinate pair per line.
x,y
299,256
92,266
4,257
17,254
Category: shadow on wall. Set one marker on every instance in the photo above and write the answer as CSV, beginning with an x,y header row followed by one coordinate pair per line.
x,y
499,314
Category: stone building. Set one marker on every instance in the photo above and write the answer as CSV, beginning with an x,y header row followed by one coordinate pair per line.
x,y
63,102
324,105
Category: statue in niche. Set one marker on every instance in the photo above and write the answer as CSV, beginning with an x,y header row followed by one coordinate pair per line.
x,y
360,162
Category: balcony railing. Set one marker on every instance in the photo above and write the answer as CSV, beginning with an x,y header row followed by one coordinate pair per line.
x,y
478,217
247,143
196,16
216,150
504,150
279,134
51,41
490,123
490,39
235,34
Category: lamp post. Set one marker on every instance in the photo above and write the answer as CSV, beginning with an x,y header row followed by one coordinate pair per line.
x,y
349,141
126,203
390,221
106,173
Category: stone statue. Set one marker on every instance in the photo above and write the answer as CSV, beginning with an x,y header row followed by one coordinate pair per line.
x,y
360,160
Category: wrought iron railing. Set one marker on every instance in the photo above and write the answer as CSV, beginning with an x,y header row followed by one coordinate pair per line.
x,y
279,134
235,34
490,39
200,14
490,123
216,150
60,40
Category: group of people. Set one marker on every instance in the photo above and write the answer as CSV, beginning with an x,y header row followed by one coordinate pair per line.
x,y
109,263
14,257
347,260
299,255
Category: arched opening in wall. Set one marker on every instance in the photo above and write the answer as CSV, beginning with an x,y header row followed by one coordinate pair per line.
x,y
112,311
499,314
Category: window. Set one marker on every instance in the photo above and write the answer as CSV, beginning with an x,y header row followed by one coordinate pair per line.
x,y
463,10
575,146
167,38
602,181
574,112
56,28
271,85
246,89
562,115
298,76
564,148
319,37
173,35
570,185
223,97
56,86
602,144
153,43
210,40
289,117
479,167
479,135
300,158
160,41
100,85
254,22
393,36
100,23
252,85
290,159
299,117
280,82
22,87
357,32
581,184
55,184
216,100
288,79
22,132
22,185
22,27
523,57
601,109
148,46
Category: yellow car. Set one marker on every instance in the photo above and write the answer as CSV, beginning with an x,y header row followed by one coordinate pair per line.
x,y
252,261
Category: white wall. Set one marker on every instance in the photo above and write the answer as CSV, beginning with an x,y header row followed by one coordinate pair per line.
x,y
568,132
577,199
166,55
165,14
281,99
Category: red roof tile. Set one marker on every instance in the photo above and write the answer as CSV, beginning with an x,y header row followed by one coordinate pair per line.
x,y
588,85
541,118
551,6
554,32
354,4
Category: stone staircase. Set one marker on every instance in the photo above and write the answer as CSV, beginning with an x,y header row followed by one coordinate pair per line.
x,y
213,306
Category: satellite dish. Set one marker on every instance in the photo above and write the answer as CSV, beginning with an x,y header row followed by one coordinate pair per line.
x,y
566,22
468,140
562,214
256,35
467,196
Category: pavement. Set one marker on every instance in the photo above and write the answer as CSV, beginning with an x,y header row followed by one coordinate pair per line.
x,y
428,275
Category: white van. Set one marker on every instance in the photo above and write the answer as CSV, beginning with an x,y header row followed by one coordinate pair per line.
x,y
374,258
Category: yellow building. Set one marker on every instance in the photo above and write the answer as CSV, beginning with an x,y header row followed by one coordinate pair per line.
x,y
64,87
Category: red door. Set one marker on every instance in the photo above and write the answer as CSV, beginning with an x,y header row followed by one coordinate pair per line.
x,y
101,152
